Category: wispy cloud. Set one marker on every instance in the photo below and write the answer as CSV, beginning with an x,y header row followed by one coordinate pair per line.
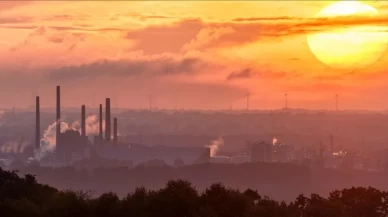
x,y
244,74
160,66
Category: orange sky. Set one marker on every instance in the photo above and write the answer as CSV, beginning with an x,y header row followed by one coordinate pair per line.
x,y
187,54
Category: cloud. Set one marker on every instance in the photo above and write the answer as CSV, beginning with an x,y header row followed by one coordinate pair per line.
x,y
289,26
9,5
244,74
15,20
165,38
44,34
207,36
158,66
265,72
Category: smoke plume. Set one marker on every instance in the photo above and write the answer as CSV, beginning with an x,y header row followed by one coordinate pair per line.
x,y
14,147
274,141
47,143
215,146
91,124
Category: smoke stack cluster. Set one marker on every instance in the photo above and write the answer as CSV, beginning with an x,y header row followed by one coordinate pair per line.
x,y
107,119
58,121
100,124
83,119
37,122
115,130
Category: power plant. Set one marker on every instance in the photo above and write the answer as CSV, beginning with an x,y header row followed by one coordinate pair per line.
x,y
74,147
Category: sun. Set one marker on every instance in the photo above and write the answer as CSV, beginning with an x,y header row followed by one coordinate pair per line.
x,y
349,47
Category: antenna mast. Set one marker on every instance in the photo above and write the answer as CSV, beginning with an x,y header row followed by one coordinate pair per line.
x,y
286,100
336,102
248,98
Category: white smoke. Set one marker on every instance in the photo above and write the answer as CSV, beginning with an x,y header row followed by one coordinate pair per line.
x,y
14,147
48,142
274,141
92,125
215,146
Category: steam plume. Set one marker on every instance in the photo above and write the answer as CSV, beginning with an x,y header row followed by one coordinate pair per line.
x,y
215,145
274,141
92,125
13,147
48,142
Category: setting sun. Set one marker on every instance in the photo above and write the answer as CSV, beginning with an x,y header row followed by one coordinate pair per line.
x,y
355,46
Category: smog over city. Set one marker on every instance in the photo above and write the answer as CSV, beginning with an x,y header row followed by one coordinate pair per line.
x,y
194,108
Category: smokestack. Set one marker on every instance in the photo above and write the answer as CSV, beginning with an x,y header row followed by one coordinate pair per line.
x,y
37,127
115,130
100,125
331,143
107,119
58,121
83,126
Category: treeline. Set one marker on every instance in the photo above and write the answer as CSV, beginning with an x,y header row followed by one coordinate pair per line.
x,y
23,196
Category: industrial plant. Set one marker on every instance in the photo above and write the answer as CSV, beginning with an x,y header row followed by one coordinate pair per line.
x,y
73,147
76,148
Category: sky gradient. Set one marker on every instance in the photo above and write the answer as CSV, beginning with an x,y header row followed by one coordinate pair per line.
x,y
185,54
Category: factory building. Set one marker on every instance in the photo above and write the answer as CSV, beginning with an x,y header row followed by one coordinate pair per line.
x,y
261,151
72,145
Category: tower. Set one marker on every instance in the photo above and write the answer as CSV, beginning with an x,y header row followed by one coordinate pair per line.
x,y
336,102
248,98
100,124
286,100
37,126
83,119
115,130
107,119
58,120
331,143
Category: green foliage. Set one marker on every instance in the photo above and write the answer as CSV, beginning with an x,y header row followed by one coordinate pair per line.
x,y
24,196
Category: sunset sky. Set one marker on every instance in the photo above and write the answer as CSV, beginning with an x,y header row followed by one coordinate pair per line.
x,y
189,54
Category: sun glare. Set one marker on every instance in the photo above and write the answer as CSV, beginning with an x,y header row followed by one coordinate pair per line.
x,y
356,46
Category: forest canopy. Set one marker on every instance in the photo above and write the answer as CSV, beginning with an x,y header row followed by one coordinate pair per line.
x,y
24,196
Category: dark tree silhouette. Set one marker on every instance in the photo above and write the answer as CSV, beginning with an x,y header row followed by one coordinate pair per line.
x,y
24,196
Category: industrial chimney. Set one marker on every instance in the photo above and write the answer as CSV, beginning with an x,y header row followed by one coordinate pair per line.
x,y
37,122
83,126
100,125
115,130
58,120
107,119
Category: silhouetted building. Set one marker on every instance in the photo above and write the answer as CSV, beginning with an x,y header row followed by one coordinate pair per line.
x,y
58,120
100,125
37,126
83,120
107,119
71,142
261,151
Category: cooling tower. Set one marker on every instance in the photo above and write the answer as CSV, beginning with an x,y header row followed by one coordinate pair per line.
x,y
37,122
58,120
107,119
83,119
115,130
100,124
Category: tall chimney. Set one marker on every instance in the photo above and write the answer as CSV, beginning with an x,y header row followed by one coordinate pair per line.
x,y
107,119
115,130
37,122
83,126
58,121
100,125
